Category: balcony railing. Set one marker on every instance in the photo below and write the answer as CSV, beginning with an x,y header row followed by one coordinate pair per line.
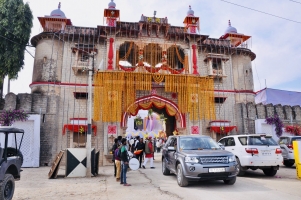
x,y
79,66
217,42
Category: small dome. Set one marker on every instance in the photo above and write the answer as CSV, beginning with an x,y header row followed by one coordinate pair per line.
x,y
112,5
190,12
58,12
230,29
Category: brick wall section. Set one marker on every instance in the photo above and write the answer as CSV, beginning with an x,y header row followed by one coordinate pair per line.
x,y
241,115
39,103
251,117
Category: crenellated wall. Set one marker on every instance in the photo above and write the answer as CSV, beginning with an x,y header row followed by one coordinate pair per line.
x,y
250,112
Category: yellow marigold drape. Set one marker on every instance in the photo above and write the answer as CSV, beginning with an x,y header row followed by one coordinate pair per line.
x,y
115,93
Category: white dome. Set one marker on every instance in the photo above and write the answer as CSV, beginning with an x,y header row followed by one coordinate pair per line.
x,y
190,12
58,12
230,29
112,5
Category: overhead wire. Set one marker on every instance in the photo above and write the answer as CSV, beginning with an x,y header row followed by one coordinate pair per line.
x,y
262,12
295,1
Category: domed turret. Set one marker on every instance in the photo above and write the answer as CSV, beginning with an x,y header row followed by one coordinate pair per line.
x,y
111,14
112,5
230,29
58,12
190,12
236,39
191,23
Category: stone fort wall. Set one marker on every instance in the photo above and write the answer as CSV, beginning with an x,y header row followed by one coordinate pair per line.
x,y
249,112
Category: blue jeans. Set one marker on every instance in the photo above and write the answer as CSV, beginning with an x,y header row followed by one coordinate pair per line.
x,y
124,169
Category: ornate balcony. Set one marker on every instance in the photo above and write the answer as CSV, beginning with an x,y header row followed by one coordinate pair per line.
x,y
79,67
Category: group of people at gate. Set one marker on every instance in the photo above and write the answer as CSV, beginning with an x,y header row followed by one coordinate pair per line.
x,y
143,151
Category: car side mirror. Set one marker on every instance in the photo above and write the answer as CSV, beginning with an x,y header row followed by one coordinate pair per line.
x,y
171,148
222,146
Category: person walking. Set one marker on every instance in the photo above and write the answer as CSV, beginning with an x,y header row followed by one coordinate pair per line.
x,y
115,146
117,163
124,162
140,146
159,144
149,152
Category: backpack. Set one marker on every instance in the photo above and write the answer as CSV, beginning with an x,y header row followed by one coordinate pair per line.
x,y
117,153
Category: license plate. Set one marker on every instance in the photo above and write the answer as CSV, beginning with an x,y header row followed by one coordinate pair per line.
x,y
266,153
217,170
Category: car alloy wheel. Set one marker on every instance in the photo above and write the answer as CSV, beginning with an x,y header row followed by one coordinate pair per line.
x,y
179,174
163,166
182,180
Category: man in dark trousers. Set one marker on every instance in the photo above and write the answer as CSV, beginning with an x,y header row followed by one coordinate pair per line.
x,y
140,146
124,162
115,146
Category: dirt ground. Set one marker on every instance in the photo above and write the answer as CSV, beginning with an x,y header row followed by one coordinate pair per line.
x,y
150,184
34,184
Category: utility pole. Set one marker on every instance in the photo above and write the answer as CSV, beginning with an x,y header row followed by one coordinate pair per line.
x,y
88,144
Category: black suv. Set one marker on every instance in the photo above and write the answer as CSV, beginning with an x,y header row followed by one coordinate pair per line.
x,y
11,160
194,158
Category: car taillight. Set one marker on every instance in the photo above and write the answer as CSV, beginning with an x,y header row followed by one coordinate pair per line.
x,y
290,146
252,150
278,151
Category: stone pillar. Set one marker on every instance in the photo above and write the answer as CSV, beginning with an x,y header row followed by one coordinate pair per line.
x,y
270,110
279,111
111,54
297,111
261,114
25,102
223,67
288,113
10,101
194,59
210,67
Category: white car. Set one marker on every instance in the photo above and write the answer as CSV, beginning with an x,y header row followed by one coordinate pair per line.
x,y
254,152
286,144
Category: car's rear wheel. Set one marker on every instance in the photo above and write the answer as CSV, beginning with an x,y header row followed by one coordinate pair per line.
x,y
181,179
288,164
240,171
7,187
230,181
270,172
165,171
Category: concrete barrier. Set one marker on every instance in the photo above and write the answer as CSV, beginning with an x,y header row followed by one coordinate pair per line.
x,y
297,154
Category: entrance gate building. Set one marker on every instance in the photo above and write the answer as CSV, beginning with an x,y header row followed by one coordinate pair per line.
x,y
146,64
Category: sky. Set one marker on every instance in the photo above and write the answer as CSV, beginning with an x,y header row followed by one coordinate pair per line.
x,y
275,38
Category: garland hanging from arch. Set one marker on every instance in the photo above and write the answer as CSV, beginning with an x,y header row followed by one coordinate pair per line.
x,y
115,92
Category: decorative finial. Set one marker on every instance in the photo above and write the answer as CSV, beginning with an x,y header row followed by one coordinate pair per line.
x,y
229,22
189,7
59,7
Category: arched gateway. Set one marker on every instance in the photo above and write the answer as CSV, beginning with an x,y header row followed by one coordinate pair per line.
x,y
147,102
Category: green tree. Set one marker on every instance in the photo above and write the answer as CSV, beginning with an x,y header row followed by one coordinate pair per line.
x,y
15,28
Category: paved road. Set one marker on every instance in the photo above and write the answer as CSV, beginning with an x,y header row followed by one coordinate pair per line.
x,y
151,184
